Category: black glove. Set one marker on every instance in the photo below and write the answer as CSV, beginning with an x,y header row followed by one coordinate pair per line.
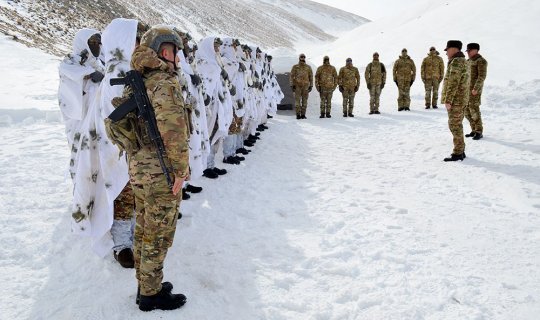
x,y
195,79
412,81
96,76
369,86
232,90
241,67
382,85
293,88
341,89
224,74
356,89
310,88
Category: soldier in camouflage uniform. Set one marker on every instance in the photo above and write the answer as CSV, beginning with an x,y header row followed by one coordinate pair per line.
x,y
478,75
404,76
432,72
326,81
301,81
375,80
455,95
349,82
156,204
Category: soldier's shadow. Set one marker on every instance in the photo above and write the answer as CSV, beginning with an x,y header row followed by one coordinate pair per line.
x,y
521,172
516,145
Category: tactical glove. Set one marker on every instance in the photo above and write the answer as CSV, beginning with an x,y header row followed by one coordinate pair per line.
x,y
96,76
195,79
341,89
382,85
310,88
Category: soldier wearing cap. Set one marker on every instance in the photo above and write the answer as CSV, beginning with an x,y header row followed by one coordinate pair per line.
x,y
478,67
326,81
349,82
455,96
375,80
432,73
404,75
301,81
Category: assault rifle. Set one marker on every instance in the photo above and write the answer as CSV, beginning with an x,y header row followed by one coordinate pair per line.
x,y
140,104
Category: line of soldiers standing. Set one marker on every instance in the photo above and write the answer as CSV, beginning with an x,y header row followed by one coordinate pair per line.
x,y
216,92
404,75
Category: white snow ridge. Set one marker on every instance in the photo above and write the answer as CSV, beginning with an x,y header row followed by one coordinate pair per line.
x,y
327,219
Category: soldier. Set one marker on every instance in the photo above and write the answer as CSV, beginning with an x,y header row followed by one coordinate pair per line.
x,y
404,76
455,95
301,81
432,72
375,80
478,75
155,203
349,82
326,80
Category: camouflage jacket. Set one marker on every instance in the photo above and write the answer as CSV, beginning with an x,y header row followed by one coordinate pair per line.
x,y
432,67
375,73
404,70
456,81
301,75
166,97
326,77
478,72
349,77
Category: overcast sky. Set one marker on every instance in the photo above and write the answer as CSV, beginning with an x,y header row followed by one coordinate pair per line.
x,y
370,9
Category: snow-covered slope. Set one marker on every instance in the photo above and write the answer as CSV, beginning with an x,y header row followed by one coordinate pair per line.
x,y
506,31
51,25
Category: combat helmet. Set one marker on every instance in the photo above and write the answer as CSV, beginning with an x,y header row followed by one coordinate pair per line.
x,y
160,34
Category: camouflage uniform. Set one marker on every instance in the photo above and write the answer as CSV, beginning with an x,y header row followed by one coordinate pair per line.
x,y
156,206
375,76
432,72
455,92
404,76
349,80
124,204
478,67
326,80
301,80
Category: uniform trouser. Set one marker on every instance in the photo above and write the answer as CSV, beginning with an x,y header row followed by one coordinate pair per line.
x,y
326,100
432,92
472,113
211,160
374,97
229,145
239,140
455,123
348,100
124,207
301,100
155,224
404,99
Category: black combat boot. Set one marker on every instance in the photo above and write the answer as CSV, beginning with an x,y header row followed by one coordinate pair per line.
x,y
377,112
298,117
303,116
407,109
400,109
248,143
322,115
350,115
328,115
243,151
220,171
253,137
478,136
344,115
239,158
210,173
372,112
257,134
435,107
455,157
230,160
193,189
269,116
125,258
428,107
185,195
468,135
167,286
162,300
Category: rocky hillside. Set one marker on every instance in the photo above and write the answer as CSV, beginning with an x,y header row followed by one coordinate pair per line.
x,y
50,25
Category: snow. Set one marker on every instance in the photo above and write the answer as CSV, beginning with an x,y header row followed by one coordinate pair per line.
x,y
337,218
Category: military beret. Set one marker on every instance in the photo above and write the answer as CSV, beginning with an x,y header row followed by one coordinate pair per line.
x,y
454,44
473,46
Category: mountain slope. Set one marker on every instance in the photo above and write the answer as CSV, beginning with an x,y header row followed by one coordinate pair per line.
x,y
50,25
